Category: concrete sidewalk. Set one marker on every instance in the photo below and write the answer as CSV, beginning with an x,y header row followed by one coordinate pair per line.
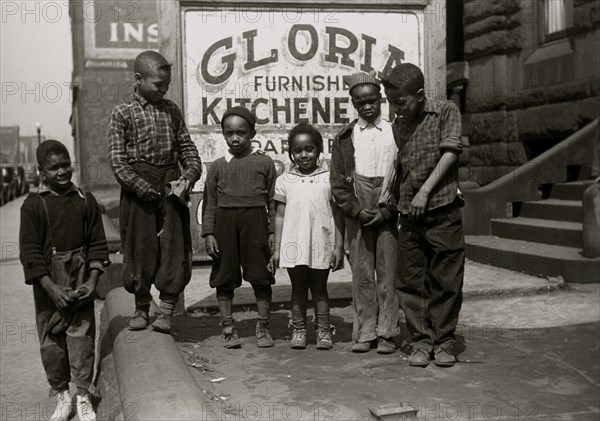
x,y
480,281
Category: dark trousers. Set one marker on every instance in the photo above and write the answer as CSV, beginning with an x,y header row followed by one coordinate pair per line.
x,y
156,239
70,353
242,235
431,263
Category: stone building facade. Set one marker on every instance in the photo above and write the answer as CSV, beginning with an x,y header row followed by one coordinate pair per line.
x,y
106,36
527,89
530,85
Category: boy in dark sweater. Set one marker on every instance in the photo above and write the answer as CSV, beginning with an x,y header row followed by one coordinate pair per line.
x,y
238,223
63,249
431,251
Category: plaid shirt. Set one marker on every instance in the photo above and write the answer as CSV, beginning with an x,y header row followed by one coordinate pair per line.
x,y
421,144
139,130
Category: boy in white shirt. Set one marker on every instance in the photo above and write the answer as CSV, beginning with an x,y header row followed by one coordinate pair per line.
x,y
361,156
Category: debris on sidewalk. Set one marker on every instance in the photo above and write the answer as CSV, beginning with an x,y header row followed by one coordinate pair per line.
x,y
217,380
197,361
202,367
216,396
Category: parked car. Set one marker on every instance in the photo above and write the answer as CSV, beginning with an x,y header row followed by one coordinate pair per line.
x,y
32,175
10,183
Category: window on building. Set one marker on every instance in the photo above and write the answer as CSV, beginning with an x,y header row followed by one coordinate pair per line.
x,y
557,19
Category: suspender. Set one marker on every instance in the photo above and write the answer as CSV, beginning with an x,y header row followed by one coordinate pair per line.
x,y
49,224
86,228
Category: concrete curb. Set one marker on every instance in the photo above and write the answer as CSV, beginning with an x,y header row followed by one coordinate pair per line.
x,y
153,379
340,293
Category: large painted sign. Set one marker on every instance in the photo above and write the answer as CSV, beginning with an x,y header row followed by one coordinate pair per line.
x,y
285,65
115,32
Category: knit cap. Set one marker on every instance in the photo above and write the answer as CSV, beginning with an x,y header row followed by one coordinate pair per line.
x,y
241,112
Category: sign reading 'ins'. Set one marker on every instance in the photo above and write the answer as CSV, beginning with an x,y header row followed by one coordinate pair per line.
x,y
118,31
287,66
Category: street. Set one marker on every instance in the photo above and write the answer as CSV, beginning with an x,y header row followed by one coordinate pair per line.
x,y
522,357
24,386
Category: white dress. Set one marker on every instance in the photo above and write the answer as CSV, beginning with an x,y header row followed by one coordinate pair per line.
x,y
308,235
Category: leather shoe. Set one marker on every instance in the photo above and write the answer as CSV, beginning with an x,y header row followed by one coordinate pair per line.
x,y
444,358
139,321
385,346
419,358
363,346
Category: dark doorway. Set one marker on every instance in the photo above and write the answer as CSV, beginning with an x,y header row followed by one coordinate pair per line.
x,y
454,31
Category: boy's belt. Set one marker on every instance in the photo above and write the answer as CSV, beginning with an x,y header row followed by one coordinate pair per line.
x,y
168,165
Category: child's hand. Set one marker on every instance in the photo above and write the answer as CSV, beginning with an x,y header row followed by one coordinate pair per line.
x,y
271,241
378,219
273,263
187,185
365,216
151,195
337,259
418,205
57,294
212,247
88,289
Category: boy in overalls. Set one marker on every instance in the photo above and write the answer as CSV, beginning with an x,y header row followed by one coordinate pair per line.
x,y
63,249
148,142
362,155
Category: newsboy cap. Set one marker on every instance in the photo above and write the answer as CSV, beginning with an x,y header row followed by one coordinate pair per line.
x,y
361,78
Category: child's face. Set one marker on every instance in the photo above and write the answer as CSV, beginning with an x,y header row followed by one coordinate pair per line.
x,y
305,153
155,85
58,172
238,135
404,105
366,99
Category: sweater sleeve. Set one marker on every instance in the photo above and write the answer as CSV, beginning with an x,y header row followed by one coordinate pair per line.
x,y
96,241
271,178
209,200
31,242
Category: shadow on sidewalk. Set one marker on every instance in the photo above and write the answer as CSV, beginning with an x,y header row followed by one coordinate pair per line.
x,y
201,326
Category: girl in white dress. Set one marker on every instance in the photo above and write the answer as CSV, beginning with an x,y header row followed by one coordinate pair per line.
x,y
309,234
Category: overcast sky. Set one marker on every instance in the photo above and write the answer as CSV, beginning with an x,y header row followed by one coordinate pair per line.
x,y
35,67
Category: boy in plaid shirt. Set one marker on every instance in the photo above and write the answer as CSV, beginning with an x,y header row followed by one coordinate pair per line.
x,y
149,145
431,252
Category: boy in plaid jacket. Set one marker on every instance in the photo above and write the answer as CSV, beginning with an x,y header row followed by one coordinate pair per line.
x,y
150,150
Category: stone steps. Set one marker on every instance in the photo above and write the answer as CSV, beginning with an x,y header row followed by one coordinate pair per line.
x,y
539,230
554,209
545,239
533,258
569,191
